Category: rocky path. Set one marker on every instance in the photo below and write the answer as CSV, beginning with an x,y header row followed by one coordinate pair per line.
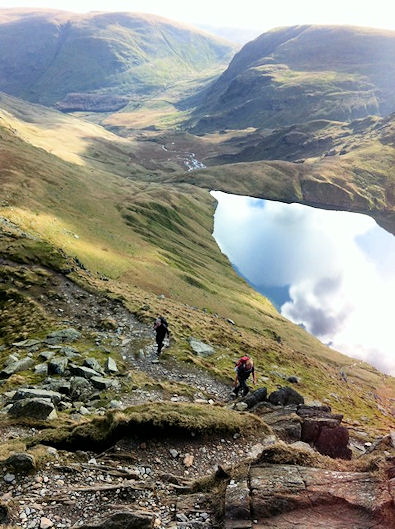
x,y
146,481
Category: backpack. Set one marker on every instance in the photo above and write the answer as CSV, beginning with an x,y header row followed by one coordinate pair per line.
x,y
241,365
163,321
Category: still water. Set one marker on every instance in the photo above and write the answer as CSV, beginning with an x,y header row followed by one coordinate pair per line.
x,y
331,271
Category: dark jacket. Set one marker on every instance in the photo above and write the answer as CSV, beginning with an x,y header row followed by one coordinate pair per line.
x,y
161,330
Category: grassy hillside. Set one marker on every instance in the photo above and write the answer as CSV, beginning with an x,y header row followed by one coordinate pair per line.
x,y
152,243
288,75
99,61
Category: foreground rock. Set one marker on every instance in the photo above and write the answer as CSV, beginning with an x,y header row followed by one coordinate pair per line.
x,y
21,462
285,496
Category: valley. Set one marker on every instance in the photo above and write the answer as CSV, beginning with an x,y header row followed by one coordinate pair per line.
x,y
106,222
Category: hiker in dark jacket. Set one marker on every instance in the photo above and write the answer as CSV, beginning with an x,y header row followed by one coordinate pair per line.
x,y
161,329
244,368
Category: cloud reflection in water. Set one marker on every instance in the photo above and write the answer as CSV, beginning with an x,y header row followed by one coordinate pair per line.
x,y
339,266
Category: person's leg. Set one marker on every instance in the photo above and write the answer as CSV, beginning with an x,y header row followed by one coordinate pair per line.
x,y
243,386
160,345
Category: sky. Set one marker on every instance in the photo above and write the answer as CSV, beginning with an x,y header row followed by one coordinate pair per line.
x,y
254,14
339,268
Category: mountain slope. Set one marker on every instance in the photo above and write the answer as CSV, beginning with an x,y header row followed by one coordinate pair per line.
x,y
150,245
288,75
98,61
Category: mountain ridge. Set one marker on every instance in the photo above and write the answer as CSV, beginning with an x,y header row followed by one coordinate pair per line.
x,y
289,74
112,54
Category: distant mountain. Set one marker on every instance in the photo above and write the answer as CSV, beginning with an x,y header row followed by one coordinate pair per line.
x,y
290,75
99,61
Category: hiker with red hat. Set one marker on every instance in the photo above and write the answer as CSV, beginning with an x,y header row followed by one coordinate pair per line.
x,y
244,368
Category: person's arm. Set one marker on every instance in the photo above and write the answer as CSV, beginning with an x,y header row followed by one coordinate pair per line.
x,y
236,379
253,375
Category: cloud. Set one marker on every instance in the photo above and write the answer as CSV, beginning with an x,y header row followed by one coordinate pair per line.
x,y
340,267
313,305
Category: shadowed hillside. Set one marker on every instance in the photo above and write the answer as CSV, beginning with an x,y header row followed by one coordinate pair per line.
x,y
99,61
291,74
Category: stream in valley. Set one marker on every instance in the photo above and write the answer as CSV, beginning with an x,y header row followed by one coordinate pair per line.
x,y
332,272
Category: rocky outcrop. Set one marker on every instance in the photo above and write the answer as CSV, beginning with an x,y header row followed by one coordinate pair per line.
x,y
322,429
63,336
313,424
286,496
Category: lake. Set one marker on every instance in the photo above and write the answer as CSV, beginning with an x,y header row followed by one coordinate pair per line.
x,y
333,272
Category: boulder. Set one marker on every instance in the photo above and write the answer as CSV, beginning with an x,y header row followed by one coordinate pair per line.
x,y
94,364
322,411
63,336
123,520
80,388
255,397
201,348
59,385
37,393
101,382
21,462
82,371
16,367
332,441
111,366
41,369
47,355
327,436
283,421
42,409
285,396
300,445
57,366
